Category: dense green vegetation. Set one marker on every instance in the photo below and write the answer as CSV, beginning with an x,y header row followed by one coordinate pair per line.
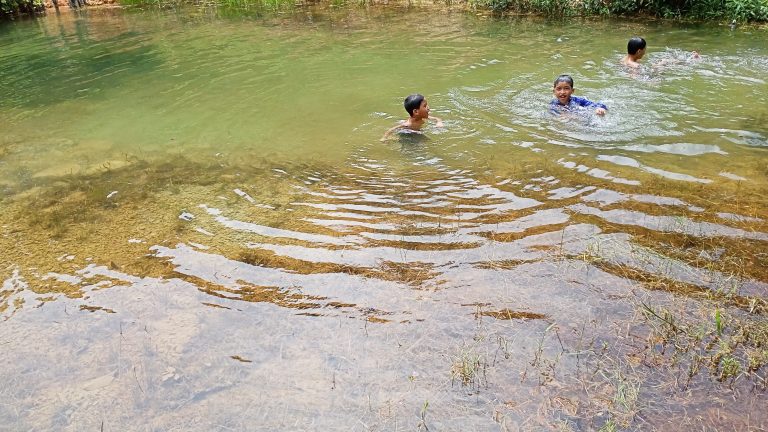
x,y
738,10
9,8
708,10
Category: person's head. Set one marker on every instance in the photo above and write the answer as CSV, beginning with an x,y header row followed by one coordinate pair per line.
x,y
636,47
563,88
416,106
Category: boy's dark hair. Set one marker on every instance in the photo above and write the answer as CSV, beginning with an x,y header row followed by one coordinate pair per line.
x,y
412,102
563,78
635,44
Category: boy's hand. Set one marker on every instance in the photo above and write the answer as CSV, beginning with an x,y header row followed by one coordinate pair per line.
x,y
600,111
439,124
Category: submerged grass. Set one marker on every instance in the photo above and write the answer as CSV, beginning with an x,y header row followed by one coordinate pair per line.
x,y
730,346
468,367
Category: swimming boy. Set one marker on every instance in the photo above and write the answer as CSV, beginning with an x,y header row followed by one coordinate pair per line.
x,y
635,51
418,111
564,102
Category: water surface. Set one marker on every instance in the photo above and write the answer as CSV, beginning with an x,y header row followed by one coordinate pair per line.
x,y
202,231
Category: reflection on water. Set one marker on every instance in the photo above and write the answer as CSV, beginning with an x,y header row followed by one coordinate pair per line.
x,y
202,231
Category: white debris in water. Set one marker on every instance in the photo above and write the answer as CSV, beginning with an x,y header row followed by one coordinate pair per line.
x,y
605,197
211,210
199,246
283,172
569,192
738,218
244,195
266,206
65,257
202,231
732,176
111,194
186,216
133,240
170,372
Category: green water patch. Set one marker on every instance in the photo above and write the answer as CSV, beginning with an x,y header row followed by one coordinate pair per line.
x,y
74,66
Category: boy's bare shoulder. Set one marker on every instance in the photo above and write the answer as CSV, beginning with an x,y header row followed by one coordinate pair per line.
x,y
626,61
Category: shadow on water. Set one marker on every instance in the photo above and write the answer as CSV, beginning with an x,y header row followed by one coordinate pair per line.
x,y
513,271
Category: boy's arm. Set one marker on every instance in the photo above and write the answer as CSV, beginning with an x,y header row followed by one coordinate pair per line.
x,y
600,108
389,132
438,121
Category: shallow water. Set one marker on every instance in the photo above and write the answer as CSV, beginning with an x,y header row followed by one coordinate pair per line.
x,y
202,231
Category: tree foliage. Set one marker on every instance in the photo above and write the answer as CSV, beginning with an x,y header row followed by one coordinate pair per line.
x,y
738,10
9,8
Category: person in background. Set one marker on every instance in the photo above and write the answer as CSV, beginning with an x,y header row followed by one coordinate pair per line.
x,y
418,111
635,52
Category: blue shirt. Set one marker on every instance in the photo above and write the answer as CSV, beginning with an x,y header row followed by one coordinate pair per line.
x,y
573,104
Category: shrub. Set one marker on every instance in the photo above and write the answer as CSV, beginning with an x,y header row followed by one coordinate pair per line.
x,y
16,7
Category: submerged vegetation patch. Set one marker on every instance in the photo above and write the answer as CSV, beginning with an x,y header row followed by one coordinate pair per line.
x,y
730,346
508,314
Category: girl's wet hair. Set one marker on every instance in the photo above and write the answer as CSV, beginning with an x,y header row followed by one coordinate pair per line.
x,y
635,44
412,102
564,78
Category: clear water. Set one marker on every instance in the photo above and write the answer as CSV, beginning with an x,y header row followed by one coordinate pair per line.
x,y
202,231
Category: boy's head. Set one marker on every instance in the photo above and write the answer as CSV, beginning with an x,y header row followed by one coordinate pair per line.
x,y
416,106
563,89
636,46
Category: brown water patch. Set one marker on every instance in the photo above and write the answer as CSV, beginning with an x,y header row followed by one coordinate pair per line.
x,y
240,359
733,256
513,236
414,274
254,294
214,305
655,282
501,264
339,305
508,314
421,246
95,308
